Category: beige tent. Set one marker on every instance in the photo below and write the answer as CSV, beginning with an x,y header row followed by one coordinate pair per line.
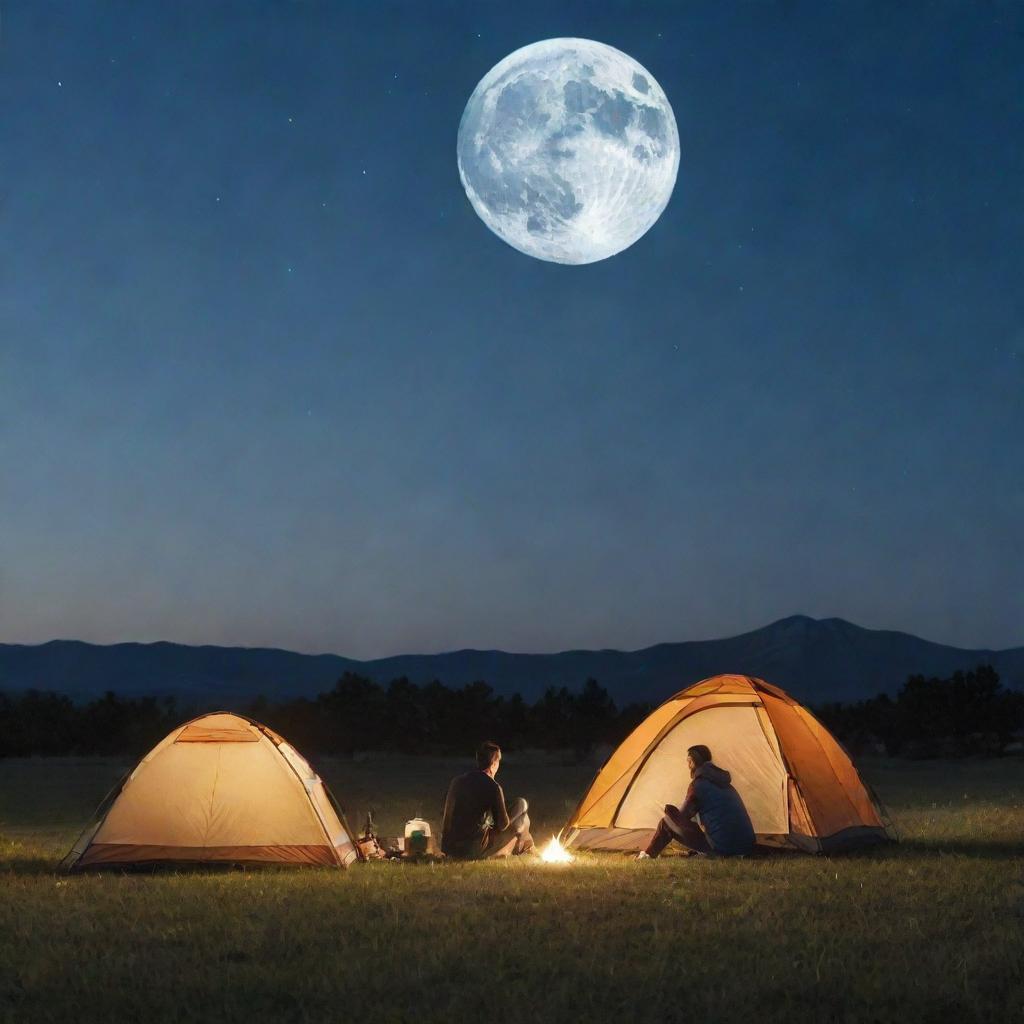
x,y
799,785
219,789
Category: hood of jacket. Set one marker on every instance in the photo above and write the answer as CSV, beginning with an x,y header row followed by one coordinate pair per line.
x,y
710,772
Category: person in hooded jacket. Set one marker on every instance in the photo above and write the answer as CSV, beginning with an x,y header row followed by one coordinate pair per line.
x,y
724,830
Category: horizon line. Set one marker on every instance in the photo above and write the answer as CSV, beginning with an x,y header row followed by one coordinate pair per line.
x,y
504,651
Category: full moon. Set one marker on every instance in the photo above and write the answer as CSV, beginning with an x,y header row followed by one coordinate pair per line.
x,y
568,150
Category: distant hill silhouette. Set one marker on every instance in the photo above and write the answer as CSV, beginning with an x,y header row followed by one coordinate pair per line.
x,y
817,660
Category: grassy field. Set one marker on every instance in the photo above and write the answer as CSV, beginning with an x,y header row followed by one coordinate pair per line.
x,y
930,930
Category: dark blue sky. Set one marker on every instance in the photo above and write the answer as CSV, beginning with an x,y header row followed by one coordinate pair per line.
x,y
265,378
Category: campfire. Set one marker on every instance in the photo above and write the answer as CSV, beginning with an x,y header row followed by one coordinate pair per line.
x,y
556,853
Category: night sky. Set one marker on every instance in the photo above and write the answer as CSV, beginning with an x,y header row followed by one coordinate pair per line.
x,y
267,379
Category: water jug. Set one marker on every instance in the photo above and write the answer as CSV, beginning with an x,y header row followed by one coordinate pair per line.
x,y
417,837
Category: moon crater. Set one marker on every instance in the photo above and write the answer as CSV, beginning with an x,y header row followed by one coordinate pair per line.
x,y
568,150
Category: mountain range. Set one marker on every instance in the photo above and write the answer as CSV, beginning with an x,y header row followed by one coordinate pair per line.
x,y
817,660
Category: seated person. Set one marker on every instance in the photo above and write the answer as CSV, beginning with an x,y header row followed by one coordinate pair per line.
x,y
725,829
476,822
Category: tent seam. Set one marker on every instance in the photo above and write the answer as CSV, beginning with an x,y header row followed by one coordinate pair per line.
x,y
656,742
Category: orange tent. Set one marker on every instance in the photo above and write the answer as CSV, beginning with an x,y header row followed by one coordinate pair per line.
x,y
799,785
218,789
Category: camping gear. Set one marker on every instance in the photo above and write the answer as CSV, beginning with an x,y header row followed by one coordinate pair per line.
x,y
798,784
368,843
219,789
418,840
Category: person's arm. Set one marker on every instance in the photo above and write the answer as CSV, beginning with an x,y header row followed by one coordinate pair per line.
x,y
449,805
498,810
690,808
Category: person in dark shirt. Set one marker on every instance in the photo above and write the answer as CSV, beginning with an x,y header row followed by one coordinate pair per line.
x,y
477,824
725,829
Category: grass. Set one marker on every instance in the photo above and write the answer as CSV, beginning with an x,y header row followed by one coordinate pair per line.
x,y
930,930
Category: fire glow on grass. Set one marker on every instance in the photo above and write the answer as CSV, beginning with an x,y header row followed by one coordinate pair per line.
x,y
556,853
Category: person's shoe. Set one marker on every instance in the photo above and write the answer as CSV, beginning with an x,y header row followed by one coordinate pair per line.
x,y
643,855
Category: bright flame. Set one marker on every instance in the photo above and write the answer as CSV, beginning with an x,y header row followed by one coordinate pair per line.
x,y
556,853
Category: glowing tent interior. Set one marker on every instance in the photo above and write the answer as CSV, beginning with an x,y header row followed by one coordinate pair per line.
x,y
218,789
799,785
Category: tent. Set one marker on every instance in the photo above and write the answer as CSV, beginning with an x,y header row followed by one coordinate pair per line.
x,y
799,785
218,789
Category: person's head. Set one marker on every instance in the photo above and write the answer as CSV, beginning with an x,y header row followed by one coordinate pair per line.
x,y
696,756
488,757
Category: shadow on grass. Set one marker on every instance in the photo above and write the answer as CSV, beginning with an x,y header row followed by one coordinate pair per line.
x,y
979,849
45,866
28,866
907,849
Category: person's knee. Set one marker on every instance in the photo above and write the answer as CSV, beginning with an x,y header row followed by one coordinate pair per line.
x,y
519,806
673,826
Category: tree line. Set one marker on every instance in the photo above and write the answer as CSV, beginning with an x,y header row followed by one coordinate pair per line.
x,y
357,714
968,713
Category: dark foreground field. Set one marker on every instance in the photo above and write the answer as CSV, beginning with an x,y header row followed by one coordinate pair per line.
x,y
928,931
